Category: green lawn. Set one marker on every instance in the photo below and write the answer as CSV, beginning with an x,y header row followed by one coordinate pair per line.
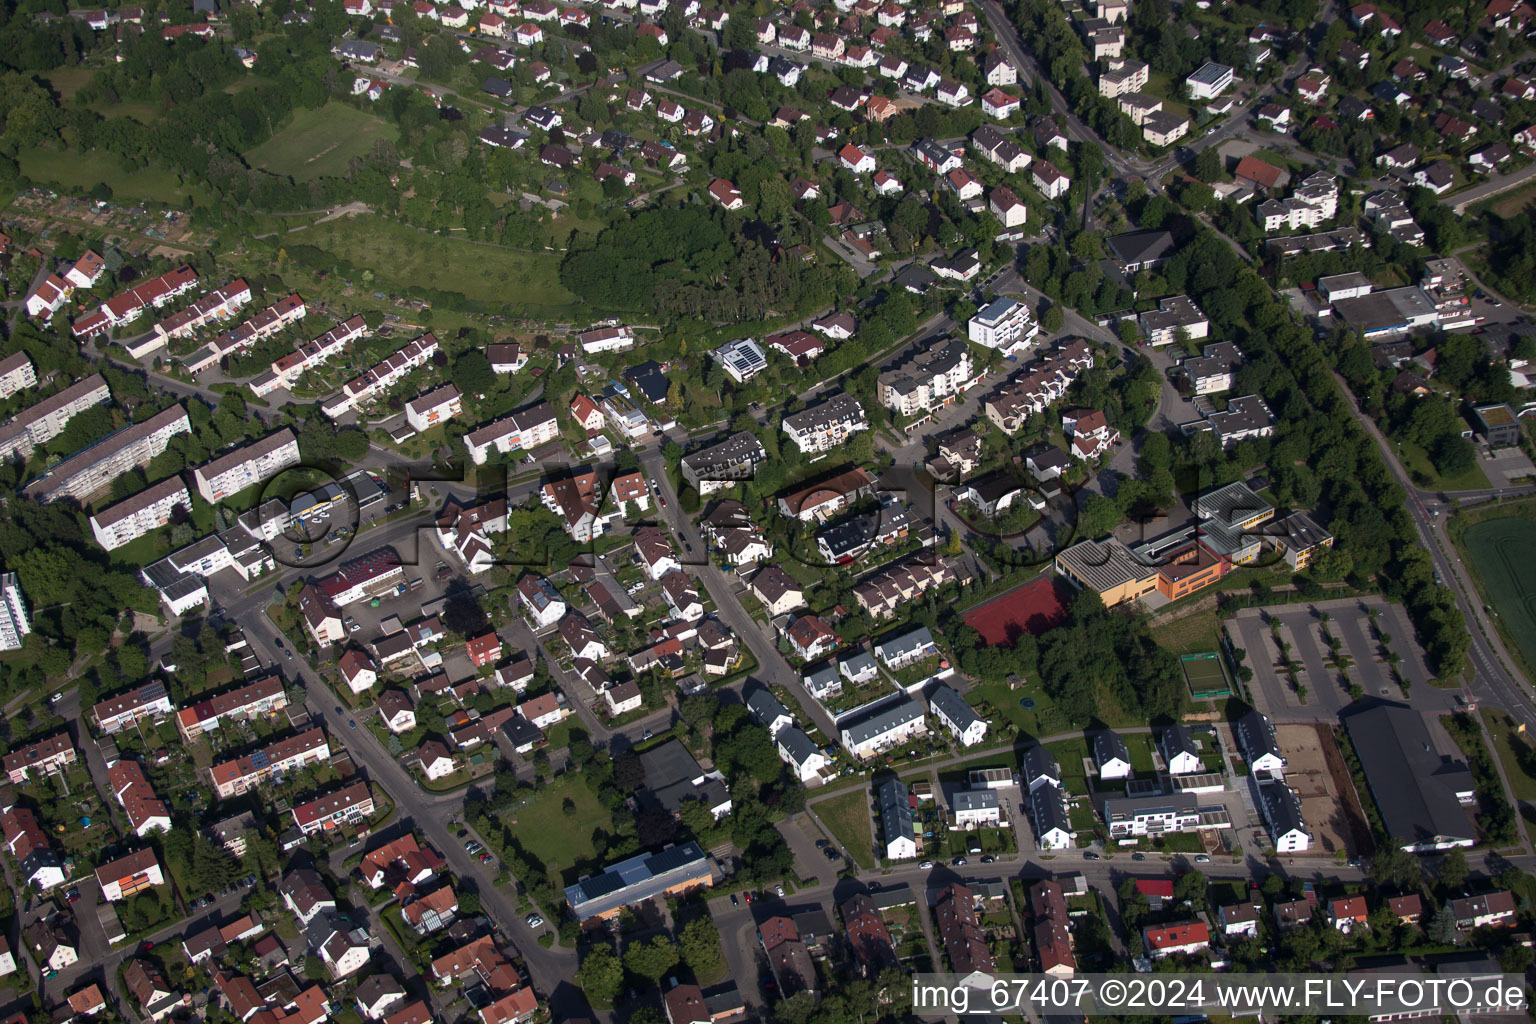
x,y
1192,634
1514,751
319,142
405,256
1069,755
1500,552
559,838
1416,461
848,819
72,173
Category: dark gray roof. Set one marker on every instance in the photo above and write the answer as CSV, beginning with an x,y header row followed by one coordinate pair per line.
x,y
1178,739
635,880
894,800
796,743
1414,785
1282,808
1141,246
1108,745
883,720
1050,810
952,706
765,707
1256,735
1038,762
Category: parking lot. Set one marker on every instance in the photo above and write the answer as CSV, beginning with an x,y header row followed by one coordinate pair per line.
x,y
1327,678
1505,467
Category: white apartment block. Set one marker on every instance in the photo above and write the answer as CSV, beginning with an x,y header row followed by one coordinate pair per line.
x,y
1315,202
133,517
16,374
14,624
931,379
606,339
524,429
1004,324
826,426
243,467
1177,313
38,424
1122,76
96,467
436,406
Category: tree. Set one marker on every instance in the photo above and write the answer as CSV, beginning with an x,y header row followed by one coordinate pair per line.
x,y
601,976
1442,927
472,373
1097,516
1395,868
700,944
1453,870
652,960
1207,165
1053,319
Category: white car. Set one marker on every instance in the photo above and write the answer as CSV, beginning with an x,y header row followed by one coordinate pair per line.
x,y
533,920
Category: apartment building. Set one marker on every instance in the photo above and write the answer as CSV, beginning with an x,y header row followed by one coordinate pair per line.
x,y
14,623
1162,326
270,763
47,756
931,379
257,698
133,517
335,810
95,468
128,876
1315,201
253,464
826,426
525,429
436,406
724,463
150,700
38,424
16,374
1004,324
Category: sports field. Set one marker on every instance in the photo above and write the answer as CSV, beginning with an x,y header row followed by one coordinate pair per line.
x,y
1502,552
320,142
1036,607
1206,675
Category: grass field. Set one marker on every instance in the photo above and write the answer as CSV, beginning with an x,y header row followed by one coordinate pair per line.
x,y
847,817
1510,203
1502,550
558,838
1416,461
1510,746
405,256
1190,634
319,142
73,174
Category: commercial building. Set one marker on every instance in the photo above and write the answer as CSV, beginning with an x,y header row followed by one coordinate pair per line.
x,y
94,469
362,578
1498,424
1423,795
1388,313
1109,569
672,872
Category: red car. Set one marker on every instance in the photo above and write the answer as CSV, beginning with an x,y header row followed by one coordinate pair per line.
x,y
749,897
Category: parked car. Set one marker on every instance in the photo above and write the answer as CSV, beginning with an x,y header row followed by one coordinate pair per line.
x,y
1202,859
926,865
1138,856
534,920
